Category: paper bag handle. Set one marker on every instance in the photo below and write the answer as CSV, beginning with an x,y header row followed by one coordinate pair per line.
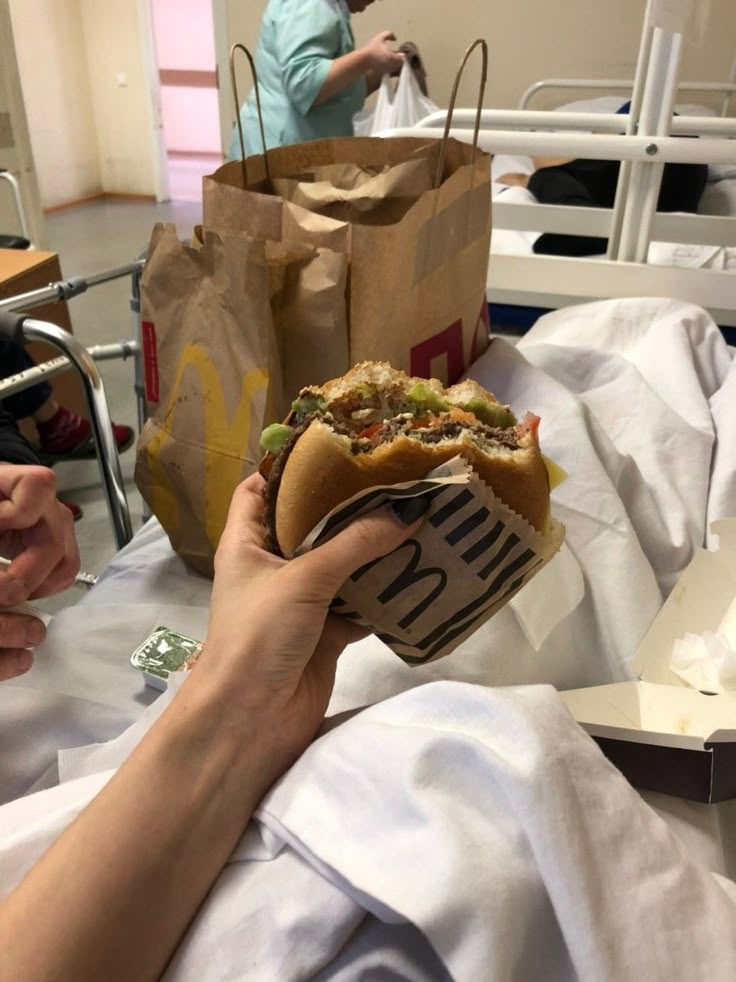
x,y
480,42
242,47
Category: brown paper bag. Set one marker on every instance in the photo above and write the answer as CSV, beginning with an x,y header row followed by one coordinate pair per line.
x,y
212,369
417,292
307,290
224,322
351,194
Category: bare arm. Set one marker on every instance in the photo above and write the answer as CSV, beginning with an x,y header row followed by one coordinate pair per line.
x,y
371,62
113,896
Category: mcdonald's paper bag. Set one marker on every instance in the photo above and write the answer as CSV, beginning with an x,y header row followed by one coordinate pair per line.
x,y
469,557
417,283
351,194
224,322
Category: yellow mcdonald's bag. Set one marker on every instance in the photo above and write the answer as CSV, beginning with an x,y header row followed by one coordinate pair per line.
x,y
224,322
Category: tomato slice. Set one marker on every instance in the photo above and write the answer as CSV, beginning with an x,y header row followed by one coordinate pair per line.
x,y
370,432
530,424
423,422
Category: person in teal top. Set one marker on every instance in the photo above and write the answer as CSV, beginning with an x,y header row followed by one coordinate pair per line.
x,y
311,78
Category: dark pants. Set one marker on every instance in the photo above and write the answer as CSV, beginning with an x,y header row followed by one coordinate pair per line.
x,y
15,359
592,183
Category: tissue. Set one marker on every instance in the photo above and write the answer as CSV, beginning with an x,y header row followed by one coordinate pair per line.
x,y
708,661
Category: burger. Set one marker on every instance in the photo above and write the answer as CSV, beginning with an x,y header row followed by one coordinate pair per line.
x,y
378,426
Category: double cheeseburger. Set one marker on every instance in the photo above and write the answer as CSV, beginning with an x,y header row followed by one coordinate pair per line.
x,y
378,426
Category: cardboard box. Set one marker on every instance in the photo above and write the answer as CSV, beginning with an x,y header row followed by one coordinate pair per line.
x,y
22,270
660,733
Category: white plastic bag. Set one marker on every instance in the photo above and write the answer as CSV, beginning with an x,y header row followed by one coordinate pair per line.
x,y
403,107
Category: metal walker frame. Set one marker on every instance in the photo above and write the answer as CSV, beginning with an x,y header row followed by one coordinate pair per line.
x,y
17,326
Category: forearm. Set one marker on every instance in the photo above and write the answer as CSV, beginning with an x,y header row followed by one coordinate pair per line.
x,y
372,81
343,72
114,894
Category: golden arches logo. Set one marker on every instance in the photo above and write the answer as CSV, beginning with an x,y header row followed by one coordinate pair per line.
x,y
224,441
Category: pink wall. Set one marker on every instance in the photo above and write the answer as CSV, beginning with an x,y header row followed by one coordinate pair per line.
x,y
191,119
185,41
185,37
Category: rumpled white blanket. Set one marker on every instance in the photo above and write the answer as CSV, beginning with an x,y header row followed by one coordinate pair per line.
x,y
480,827
459,826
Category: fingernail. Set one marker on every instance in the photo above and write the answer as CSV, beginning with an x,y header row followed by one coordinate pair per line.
x,y
408,510
35,633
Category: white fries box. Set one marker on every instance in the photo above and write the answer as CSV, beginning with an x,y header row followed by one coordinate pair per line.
x,y
659,732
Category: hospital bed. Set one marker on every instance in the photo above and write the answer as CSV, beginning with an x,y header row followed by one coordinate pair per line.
x,y
691,257
360,861
458,830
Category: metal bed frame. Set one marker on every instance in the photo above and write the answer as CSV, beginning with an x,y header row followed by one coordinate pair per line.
x,y
17,326
725,89
644,140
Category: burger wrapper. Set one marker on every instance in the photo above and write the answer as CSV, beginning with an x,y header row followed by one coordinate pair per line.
x,y
470,556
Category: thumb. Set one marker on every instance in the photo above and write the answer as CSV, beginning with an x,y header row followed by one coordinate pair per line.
x,y
367,538
387,36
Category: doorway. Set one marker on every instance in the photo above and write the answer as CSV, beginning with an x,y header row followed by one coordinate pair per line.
x,y
184,47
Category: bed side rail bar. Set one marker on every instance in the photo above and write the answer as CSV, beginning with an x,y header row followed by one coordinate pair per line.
x,y
593,146
726,89
526,119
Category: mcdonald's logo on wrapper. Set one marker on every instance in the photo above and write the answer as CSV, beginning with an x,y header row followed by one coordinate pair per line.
x,y
468,559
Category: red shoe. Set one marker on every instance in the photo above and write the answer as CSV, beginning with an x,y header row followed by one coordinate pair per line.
x,y
76,511
67,436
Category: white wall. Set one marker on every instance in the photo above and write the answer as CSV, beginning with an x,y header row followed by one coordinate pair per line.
x,y
56,92
528,40
89,133
122,113
15,144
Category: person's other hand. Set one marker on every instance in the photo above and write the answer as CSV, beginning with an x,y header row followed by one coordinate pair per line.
x,y
37,535
382,59
271,635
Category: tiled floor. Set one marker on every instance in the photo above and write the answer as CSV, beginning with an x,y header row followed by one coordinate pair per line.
x,y
89,239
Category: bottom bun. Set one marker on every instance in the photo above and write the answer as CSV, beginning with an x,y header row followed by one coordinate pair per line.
x,y
321,472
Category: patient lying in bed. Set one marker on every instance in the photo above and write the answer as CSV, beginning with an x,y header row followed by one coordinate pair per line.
x,y
592,184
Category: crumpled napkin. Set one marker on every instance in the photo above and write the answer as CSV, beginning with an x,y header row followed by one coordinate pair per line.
x,y
708,661
705,661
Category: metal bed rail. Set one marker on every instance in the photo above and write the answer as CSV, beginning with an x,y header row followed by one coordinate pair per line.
x,y
643,140
594,146
551,120
726,89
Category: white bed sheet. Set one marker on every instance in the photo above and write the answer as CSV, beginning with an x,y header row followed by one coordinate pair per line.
x,y
719,198
470,826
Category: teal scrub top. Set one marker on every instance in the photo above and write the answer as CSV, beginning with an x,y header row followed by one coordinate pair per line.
x,y
298,41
